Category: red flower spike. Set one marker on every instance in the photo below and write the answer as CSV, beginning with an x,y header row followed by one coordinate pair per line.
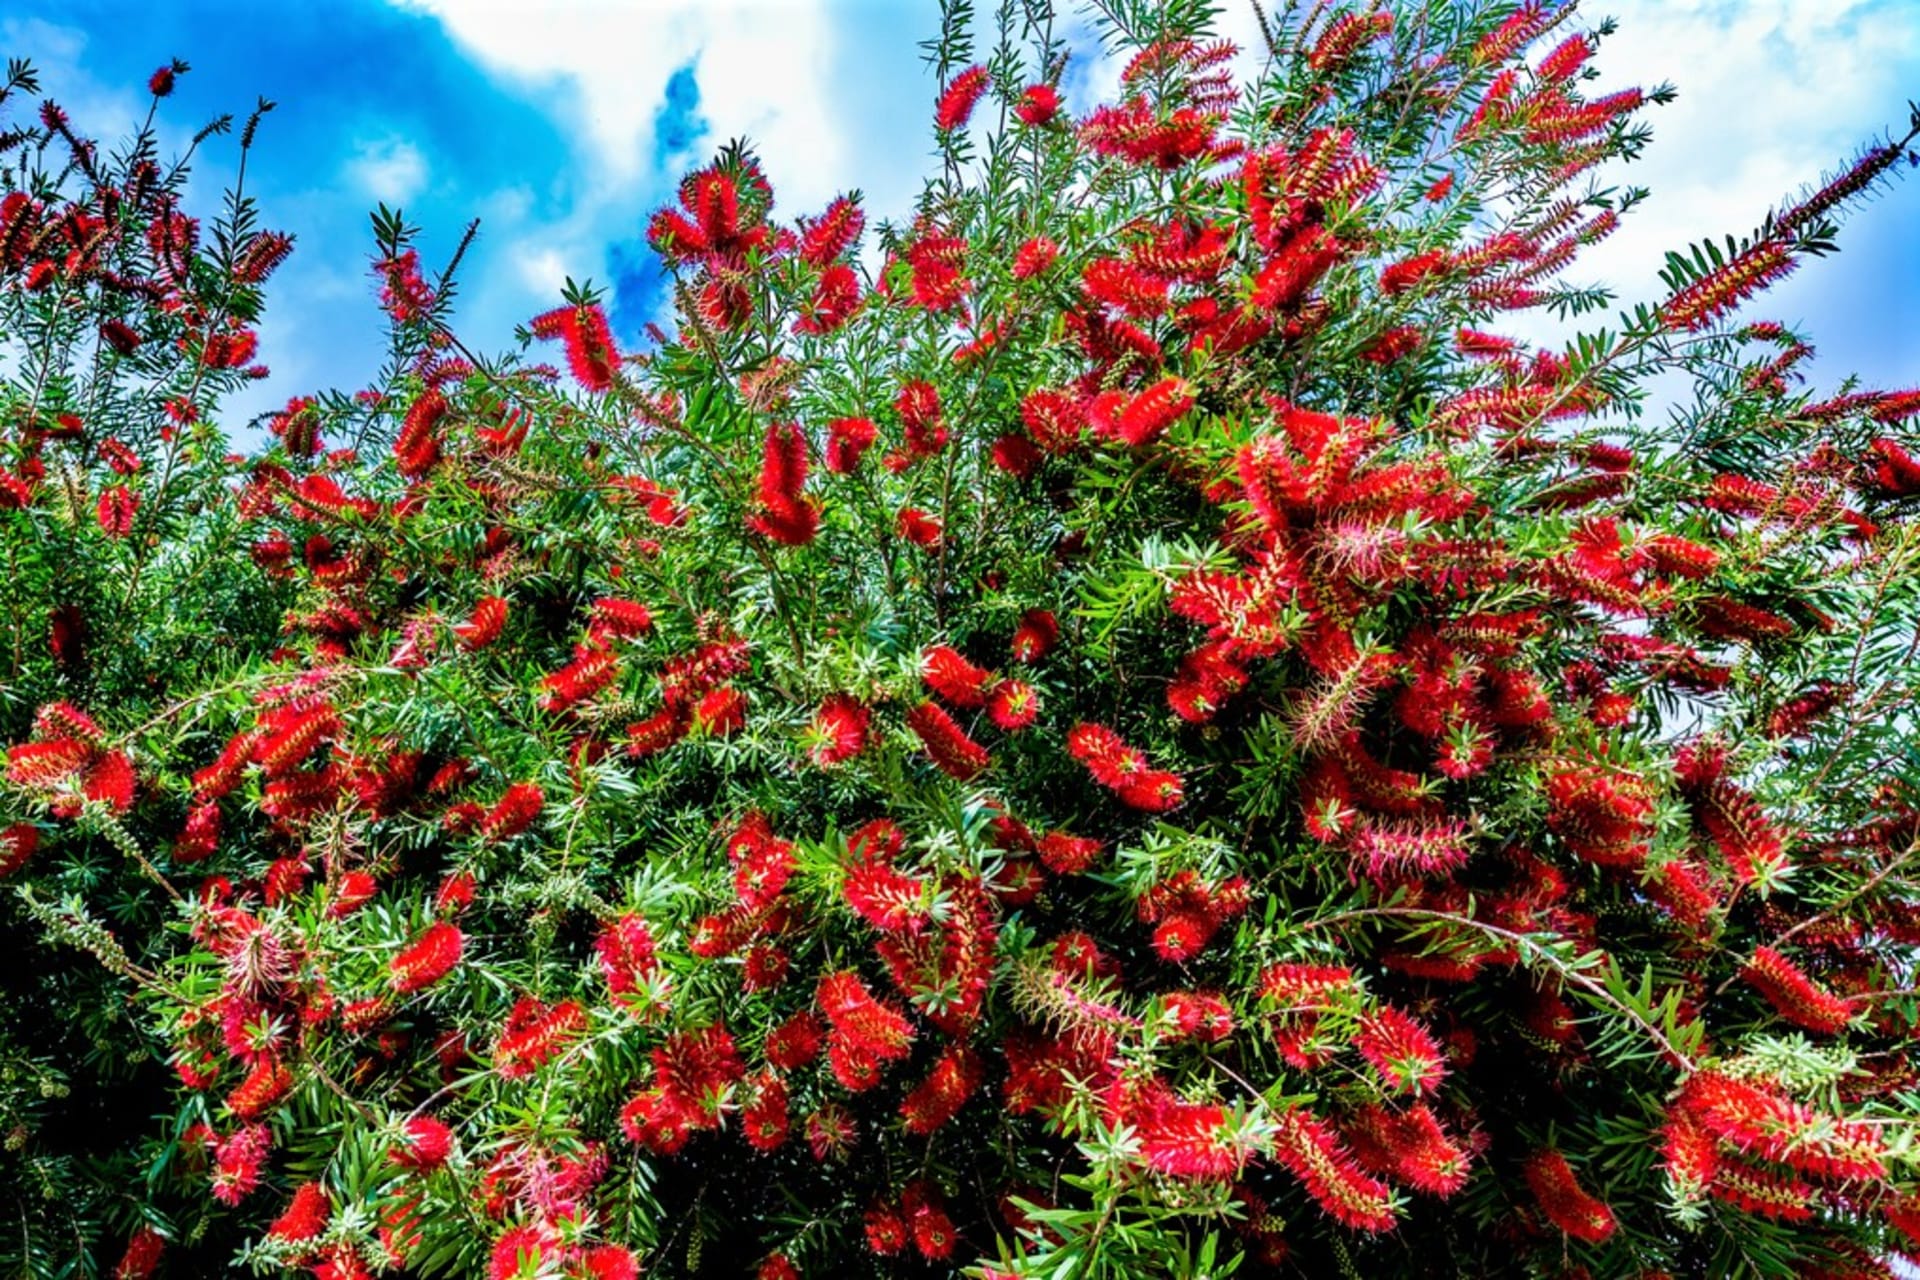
x,y
1038,105
832,233
859,1019
534,1034
946,743
516,810
785,516
938,1098
146,1247
886,1230
839,730
1311,1150
591,355
1401,1051
238,1161
1035,637
429,958
847,440
1794,995
1033,257
1565,1202
425,1144
17,845
953,678
956,103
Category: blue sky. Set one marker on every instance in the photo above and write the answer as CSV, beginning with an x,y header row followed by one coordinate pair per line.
x,y
562,124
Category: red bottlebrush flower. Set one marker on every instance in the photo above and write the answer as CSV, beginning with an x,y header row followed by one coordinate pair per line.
x,y
927,1219
1411,1147
160,83
954,678
17,845
66,634
144,1250
862,1021
1139,420
425,1143
264,1087
657,732
608,1262
1393,344
946,743
626,950
1769,1194
417,445
762,862
919,528
238,1161
305,1216
621,619
1566,60
591,355
832,233
1344,36
1035,637
1719,291
886,1230
796,1042
533,1034
785,516
229,350
839,730
1605,816
764,1119
1125,286
721,712
1067,855
404,294
1033,257
1054,419
776,1266
1409,272
1155,791
1313,1153
1111,761
521,1252
116,510
1565,1202
1197,1015
1896,473
591,671
836,298
120,336
355,890
918,405
1758,1120
962,93
1794,995
1013,705
516,810
885,897
1401,1051
1016,455
939,1097
765,968
428,959
1038,105
847,440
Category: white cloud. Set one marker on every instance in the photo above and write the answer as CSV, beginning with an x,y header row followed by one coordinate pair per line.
x,y
762,67
1772,93
390,170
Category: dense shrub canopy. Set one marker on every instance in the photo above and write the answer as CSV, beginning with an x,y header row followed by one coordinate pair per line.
x,y
1126,726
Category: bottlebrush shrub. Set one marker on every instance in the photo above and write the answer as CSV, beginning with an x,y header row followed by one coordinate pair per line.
x,y
1130,725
